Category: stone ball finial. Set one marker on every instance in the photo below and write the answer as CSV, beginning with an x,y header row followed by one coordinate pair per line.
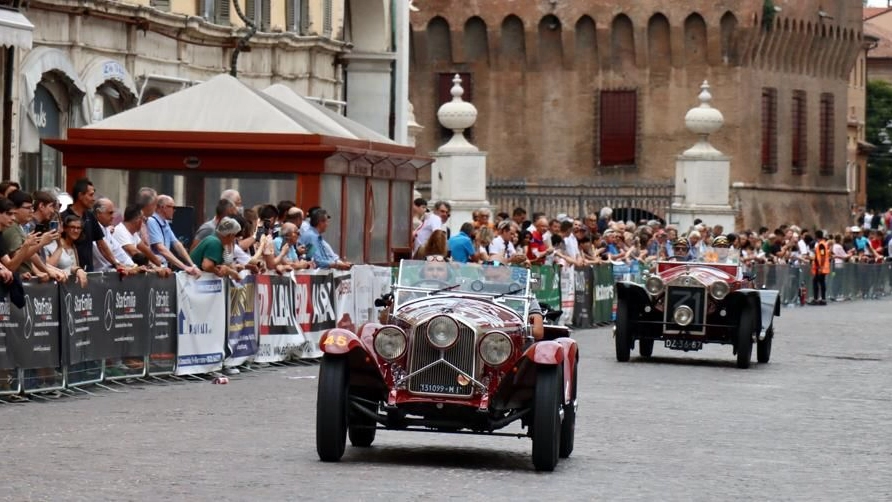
x,y
457,115
703,120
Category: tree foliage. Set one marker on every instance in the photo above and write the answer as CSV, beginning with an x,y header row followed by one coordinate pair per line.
x,y
879,163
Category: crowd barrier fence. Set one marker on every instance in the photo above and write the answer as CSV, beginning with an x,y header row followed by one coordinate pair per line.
x,y
68,336
114,328
587,294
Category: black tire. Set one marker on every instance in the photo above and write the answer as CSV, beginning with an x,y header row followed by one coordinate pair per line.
x,y
568,425
745,337
361,430
331,408
621,336
546,426
763,347
645,347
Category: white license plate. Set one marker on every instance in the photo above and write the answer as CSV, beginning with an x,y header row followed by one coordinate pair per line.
x,y
683,344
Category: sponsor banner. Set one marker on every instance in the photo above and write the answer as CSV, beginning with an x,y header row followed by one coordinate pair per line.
x,y
85,314
314,297
124,315
201,323
161,315
568,294
279,334
548,290
10,327
344,300
241,337
369,284
34,343
582,306
603,293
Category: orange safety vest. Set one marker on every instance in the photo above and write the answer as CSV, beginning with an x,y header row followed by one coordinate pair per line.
x,y
821,263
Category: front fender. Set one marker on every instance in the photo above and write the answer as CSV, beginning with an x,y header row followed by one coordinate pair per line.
x,y
632,292
339,341
548,352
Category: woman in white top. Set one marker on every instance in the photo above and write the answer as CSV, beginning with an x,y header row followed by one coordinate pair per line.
x,y
62,254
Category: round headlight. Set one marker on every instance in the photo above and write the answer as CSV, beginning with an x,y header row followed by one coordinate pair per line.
x,y
719,289
654,285
495,348
442,332
390,343
683,315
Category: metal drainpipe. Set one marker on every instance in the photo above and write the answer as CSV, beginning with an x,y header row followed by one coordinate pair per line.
x,y
8,72
243,42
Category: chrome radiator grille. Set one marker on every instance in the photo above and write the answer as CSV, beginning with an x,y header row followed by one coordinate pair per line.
x,y
441,378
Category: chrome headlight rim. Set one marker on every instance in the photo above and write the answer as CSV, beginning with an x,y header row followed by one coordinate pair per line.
x,y
451,323
683,315
654,285
386,334
719,290
487,345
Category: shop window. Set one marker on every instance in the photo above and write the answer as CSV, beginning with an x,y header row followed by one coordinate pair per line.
x,y
618,122
43,168
799,126
355,199
400,215
379,215
827,139
769,130
330,200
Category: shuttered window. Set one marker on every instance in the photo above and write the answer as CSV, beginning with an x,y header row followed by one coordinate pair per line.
x,y
221,12
259,12
444,95
326,18
618,125
799,126
827,150
769,130
297,15
162,5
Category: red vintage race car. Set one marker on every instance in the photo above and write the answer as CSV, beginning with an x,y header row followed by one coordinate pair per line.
x,y
686,304
455,355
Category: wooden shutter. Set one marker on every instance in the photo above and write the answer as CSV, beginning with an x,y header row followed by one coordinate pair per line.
x,y
251,10
221,12
162,5
326,18
304,16
619,127
292,15
799,126
769,130
266,15
827,146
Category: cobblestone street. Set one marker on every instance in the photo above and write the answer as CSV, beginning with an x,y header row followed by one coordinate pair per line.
x,y
814,424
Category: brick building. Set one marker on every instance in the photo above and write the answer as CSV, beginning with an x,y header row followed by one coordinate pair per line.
x,y
595,92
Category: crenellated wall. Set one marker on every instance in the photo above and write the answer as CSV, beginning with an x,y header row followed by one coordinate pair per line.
x,y
536,70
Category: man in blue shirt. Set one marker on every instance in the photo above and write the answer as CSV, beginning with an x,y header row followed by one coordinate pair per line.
x,y
164,243
461,245
318,250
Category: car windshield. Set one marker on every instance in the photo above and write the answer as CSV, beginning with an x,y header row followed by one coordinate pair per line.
x,y
504,284
719,256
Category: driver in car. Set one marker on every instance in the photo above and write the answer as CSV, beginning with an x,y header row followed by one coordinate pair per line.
x,y
435,269
681,250
493,273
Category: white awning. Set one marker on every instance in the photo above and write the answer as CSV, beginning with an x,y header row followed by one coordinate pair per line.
x,y
15,29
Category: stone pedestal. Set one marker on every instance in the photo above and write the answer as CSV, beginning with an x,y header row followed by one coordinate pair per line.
x,y
458,175
702,173
460,180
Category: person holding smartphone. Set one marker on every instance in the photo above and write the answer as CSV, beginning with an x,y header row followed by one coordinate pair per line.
x,y
46,217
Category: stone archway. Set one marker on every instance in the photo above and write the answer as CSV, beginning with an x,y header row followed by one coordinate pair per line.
x,y
368,65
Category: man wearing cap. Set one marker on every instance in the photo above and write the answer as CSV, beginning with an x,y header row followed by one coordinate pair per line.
x,y
681,250
318,249
210,252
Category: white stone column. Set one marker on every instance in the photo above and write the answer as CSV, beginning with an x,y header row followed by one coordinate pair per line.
x,y
458,175
702,173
